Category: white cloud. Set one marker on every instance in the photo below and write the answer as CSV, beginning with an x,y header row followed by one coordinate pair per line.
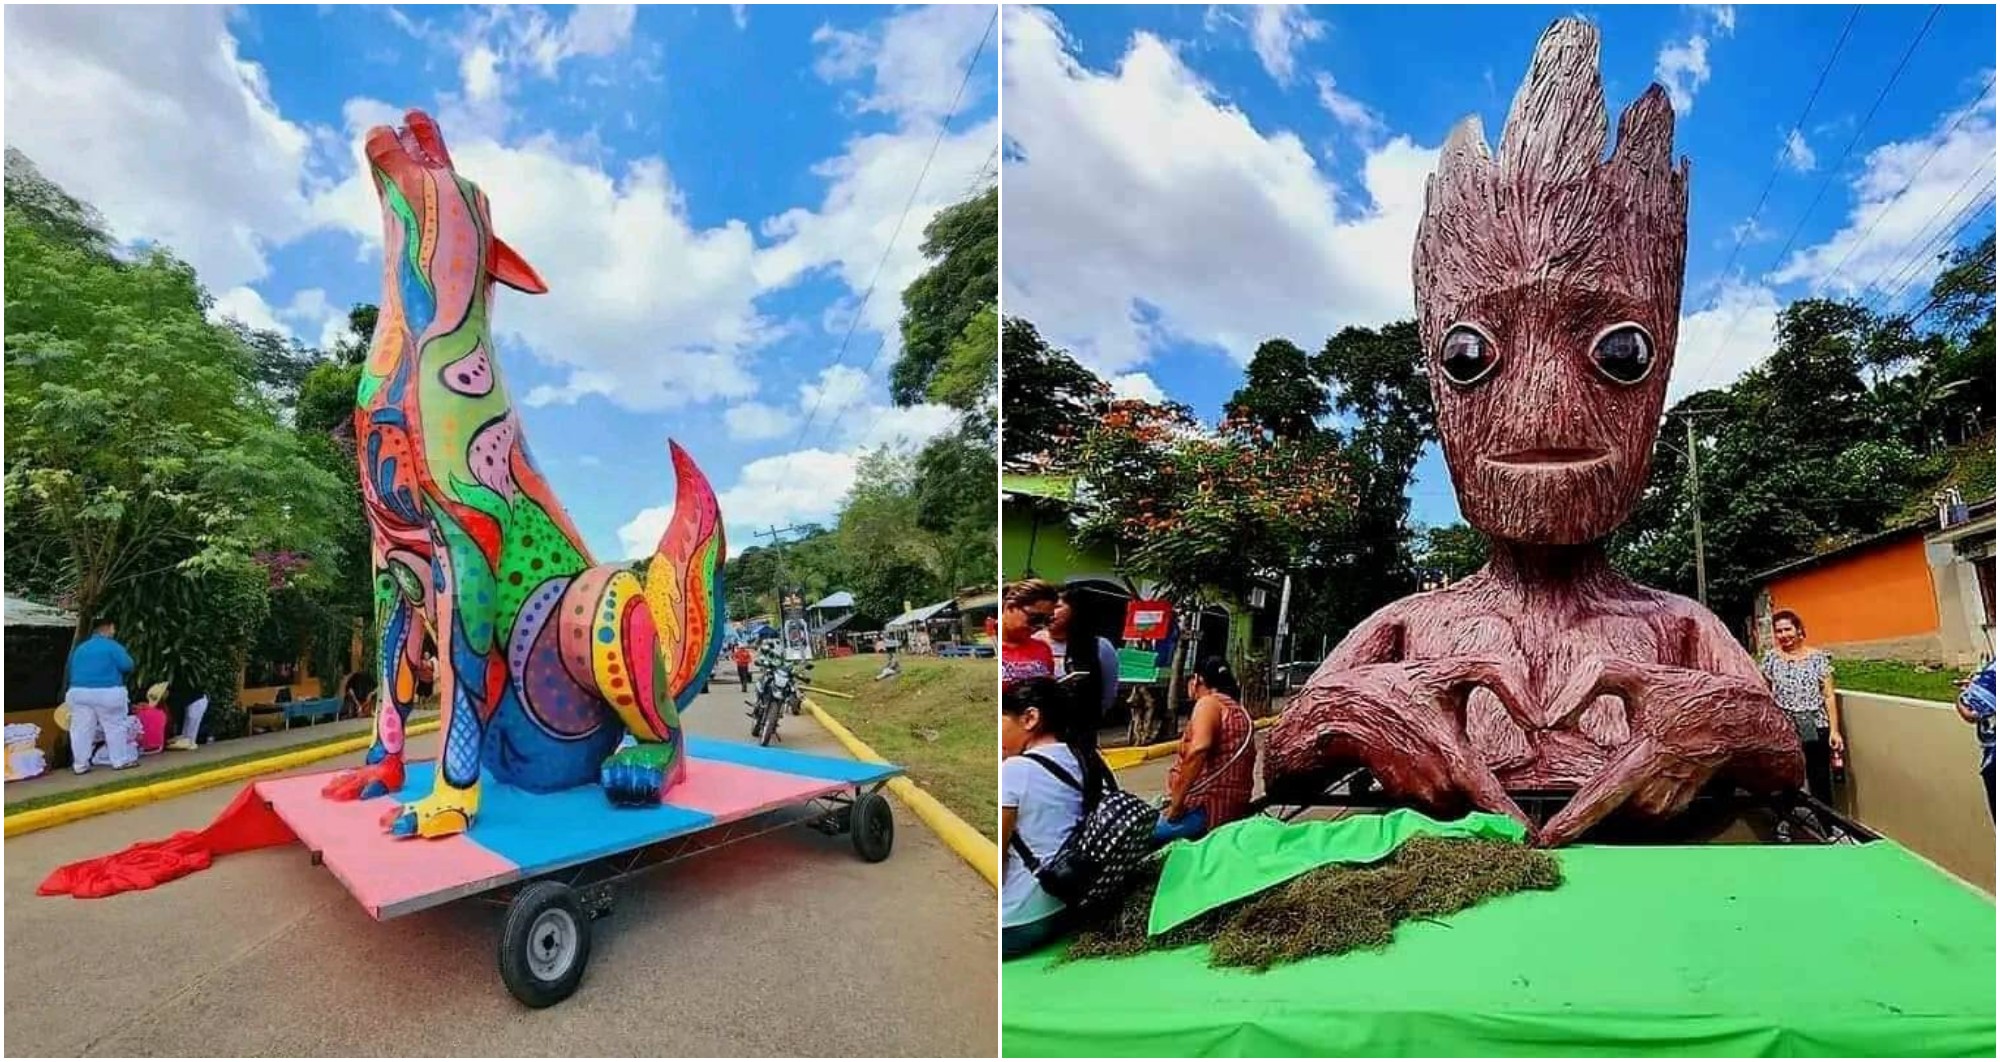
x,y
1798,154
1682,68
837,389
245,305
1749,231
916,60
1260,241
156,119
1345,109
755,421
480,70
1137,385
1906,193
741,14
1276,33
1725,340
806,485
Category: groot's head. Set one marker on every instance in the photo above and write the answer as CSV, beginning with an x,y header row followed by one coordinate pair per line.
x,y
1548,286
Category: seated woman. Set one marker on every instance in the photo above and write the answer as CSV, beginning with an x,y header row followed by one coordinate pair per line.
x,y
152,720
1041,801
1216,765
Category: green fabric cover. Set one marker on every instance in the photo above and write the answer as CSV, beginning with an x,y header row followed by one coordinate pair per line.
x,y
1248,856
1711,950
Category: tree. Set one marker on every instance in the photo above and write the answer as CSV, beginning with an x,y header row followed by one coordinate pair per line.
x,y
149,474
1378,382
953,493
1282,393
969,374
1050,402
40,204
1208,512
1453,551
963,244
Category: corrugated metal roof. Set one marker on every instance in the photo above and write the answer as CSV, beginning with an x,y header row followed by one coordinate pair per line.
x,y
837,599
21,612
916,616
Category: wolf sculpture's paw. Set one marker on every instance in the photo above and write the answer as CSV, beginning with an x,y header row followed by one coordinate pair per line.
x,y
376,779
442,814
640,775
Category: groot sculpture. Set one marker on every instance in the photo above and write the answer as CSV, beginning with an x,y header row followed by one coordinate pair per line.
x,y
1548,284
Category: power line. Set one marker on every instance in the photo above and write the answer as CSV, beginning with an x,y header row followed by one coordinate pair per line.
x,y
1797,124
1970,213
944,127
1908,184
1730,332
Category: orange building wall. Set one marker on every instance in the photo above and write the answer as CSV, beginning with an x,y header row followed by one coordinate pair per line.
x,y
1876,593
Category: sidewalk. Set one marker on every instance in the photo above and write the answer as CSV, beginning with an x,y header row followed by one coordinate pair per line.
x,y
152,768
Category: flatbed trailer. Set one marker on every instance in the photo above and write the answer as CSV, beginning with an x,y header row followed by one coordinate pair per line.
x,y
555,860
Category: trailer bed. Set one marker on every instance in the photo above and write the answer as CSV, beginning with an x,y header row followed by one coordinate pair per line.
x,y
520,835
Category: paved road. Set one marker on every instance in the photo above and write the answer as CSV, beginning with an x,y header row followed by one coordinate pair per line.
x,y
782,945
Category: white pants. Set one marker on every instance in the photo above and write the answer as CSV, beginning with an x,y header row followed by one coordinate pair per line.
x,y
101,711
192,731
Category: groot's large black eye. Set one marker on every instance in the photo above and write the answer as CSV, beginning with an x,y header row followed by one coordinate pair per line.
x,y
1623,353
1467,355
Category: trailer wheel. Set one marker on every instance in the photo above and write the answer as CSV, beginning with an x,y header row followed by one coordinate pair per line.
x,y
545,944
873,827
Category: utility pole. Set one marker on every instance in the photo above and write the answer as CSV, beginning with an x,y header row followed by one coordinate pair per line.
x,y
776,535
1694,502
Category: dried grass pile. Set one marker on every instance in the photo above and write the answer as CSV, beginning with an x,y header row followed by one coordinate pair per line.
x,y
1332,910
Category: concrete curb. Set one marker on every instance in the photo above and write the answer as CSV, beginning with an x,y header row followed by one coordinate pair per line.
x,y
1134,755
957,834
104,804
830,693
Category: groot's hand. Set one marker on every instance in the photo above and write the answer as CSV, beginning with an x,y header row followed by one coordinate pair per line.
x,y
1405,722
1686,725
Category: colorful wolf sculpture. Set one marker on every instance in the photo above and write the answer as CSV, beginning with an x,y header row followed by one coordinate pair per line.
x,y
545,659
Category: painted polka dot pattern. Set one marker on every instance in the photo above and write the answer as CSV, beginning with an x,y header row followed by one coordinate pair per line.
x,y
470,375
489,453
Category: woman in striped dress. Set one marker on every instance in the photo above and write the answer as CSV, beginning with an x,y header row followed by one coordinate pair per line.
x,y
1216,765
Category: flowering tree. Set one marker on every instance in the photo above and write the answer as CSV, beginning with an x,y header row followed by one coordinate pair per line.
x,y
1207,511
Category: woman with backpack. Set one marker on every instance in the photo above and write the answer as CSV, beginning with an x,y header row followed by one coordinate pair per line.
x,y
1216,766
1042,791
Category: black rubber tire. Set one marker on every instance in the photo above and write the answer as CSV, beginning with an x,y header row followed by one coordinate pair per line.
x,y
872,826
770,728
516,944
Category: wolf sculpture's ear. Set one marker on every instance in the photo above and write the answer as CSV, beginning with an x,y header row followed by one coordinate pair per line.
x,y
506,265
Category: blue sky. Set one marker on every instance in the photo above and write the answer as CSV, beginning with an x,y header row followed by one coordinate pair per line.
x,y
707,190
1183,182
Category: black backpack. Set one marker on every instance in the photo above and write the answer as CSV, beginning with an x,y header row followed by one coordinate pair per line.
x,y
1104,848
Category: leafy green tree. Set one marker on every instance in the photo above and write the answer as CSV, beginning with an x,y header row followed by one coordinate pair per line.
x,y
968,376
1282,393
1454,551
963,244
1050,402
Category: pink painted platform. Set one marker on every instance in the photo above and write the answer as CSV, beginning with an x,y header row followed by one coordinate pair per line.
x,y
520,835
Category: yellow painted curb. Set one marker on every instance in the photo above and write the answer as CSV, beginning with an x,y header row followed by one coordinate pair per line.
x,y
957,834
832,693
1134,755
86,807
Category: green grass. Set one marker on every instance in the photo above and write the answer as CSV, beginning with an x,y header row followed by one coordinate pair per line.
x,y
1897,679
938,720
123,780
1969,467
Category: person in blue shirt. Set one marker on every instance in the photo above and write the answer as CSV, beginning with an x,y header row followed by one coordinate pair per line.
x,y
99,702
1975,706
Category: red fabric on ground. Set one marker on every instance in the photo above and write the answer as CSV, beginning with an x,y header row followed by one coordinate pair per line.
x,y
245,824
